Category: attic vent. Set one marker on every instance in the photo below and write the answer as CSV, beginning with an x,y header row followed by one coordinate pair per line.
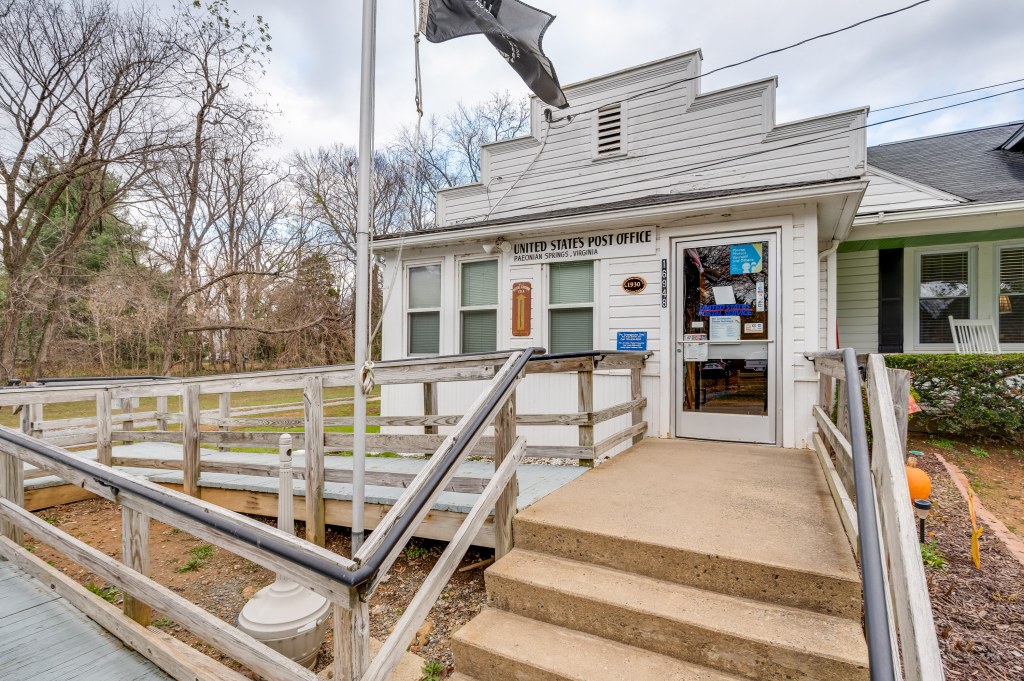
x,y
609,139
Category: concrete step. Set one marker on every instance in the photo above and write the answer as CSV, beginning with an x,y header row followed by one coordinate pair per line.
x,y
500,646
748,521
736,635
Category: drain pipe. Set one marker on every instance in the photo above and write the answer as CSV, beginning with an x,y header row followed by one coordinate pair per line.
x,y
831,323
287,617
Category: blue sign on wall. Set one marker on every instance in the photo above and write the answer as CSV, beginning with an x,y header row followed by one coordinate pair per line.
x,y
631,340
745,258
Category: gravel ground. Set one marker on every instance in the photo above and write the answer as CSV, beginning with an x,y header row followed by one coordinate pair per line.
x,y
222,583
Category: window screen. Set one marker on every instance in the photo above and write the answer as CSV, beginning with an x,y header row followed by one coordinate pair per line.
x,y
479,301
1011,295
944,291
425,314
571,307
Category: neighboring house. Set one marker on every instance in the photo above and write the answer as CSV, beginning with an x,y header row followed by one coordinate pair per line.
x,y
940,232
689,224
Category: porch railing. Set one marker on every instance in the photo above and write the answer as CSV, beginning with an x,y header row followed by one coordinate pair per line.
x,y
870,492
348,583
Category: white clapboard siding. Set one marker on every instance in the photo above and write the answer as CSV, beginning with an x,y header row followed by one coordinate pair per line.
x,y
887,192
823,294
668,136
857,300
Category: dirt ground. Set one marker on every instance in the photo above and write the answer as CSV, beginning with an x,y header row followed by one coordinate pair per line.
x,y
979,614
221,582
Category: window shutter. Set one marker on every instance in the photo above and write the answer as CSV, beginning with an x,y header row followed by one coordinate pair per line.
x,y
425,286
609,130
480,283
890,300
424,333
572,330
571,282
1011,295
480,331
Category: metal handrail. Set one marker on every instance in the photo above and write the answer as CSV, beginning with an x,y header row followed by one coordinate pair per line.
x,y
354,577
876,611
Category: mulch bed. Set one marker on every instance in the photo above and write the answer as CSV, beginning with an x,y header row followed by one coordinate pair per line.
x,y
979,614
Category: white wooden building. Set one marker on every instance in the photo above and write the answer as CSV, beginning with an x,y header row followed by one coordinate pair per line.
x,y
649,215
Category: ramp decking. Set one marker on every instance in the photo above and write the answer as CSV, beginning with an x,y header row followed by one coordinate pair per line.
x,y
44,638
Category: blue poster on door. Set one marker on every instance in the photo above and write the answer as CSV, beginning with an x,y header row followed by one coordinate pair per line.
x,y
631,340
744,258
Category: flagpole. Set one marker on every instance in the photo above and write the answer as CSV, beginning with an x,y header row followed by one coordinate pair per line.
x,y
362,316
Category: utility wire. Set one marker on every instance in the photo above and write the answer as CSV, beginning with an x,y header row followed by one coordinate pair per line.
x,y
952,94
696,167
750,59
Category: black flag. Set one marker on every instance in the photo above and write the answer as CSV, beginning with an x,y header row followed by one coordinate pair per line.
x,y
514,28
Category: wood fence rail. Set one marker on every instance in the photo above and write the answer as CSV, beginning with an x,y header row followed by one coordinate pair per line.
x,y
348,584
887,393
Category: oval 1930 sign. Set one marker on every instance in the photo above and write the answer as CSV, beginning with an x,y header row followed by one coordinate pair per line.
x,y
634,284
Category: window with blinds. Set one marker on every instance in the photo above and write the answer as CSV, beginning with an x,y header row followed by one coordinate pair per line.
x,y
944,290
571,307
479,306
1011,295
424,305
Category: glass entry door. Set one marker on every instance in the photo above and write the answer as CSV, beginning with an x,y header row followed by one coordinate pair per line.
x,y
725,318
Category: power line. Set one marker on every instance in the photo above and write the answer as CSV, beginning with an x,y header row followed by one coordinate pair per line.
x,y
696,167
750,59
952,94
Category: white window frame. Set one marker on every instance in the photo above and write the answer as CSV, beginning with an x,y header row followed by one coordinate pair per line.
x,y
996,277
972,287
478,308
409,310
549,306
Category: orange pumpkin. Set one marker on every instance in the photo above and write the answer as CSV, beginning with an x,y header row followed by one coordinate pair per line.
x,y
919,483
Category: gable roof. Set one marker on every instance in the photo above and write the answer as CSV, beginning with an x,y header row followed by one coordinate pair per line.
x,y
972,164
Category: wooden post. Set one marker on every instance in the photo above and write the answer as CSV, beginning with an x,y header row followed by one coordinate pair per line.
x,y
161,412
351,638
135,554
126,408
899,382
826,393
104,447
35,419
430,406
190,438
12,484
586,406
842,411
224,412
313,410
507,504
636,392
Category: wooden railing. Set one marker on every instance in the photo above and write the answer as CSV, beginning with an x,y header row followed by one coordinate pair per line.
x,y
915,649
348,583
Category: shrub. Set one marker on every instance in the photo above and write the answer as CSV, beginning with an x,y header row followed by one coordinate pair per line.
x,y
982,394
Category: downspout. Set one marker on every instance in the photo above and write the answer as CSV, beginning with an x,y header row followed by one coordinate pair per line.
x,y
831,323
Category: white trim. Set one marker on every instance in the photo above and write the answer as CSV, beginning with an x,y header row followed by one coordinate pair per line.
x,y
917,214
407,310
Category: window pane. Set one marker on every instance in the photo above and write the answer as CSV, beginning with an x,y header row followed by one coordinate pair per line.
x,y
572,330
1011,270
480,283
424,333
944,275
572,282
425,286
934,318
480,331
1011,319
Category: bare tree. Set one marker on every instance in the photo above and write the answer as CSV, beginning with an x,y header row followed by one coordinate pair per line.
x,y
79,90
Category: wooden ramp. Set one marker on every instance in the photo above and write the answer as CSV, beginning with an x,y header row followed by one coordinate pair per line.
x,y
44,638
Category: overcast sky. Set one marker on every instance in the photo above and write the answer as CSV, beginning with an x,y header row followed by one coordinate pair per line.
x,y
940,47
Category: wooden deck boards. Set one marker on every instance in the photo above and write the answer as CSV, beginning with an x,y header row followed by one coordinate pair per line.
x,y
44,638
535,480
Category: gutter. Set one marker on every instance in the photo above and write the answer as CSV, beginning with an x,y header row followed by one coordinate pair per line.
x,y
831,321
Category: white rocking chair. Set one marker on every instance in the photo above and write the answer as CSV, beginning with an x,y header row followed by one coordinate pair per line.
x,y
974,336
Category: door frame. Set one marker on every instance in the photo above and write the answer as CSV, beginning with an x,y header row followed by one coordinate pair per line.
x,y
776,397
